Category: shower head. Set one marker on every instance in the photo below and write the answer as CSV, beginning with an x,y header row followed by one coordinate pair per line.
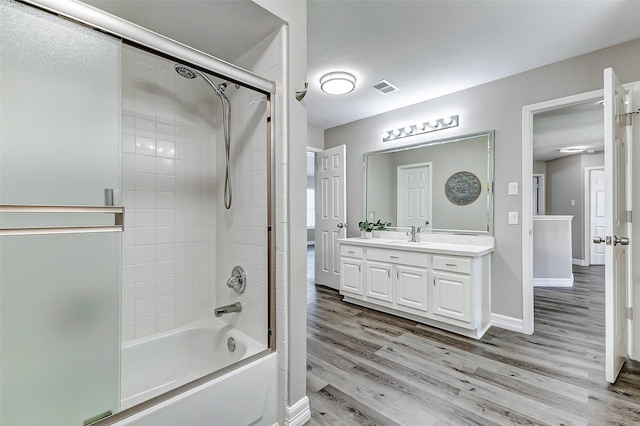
x,y
185,72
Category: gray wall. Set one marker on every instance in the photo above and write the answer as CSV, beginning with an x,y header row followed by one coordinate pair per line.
x,y
496,105
315,137
565,182
539,167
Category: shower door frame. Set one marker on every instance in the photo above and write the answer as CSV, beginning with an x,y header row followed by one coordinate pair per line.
x,y
165,47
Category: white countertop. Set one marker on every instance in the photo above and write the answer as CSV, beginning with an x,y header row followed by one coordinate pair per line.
x,y
474,250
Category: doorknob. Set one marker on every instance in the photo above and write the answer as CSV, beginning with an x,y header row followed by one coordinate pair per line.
x,y
342,225
623,241
598,240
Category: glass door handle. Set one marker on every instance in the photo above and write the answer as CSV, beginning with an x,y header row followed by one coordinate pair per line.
x,y
117,211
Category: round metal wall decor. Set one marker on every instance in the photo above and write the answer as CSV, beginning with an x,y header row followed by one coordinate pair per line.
x,y
462,188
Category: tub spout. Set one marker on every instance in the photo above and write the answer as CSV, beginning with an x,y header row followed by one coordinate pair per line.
x,y
227,309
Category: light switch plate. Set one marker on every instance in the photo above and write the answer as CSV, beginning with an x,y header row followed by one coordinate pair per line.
x,y
513,188
513,218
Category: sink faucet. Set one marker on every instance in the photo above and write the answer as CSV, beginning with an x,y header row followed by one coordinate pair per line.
x,y
412,233
227,309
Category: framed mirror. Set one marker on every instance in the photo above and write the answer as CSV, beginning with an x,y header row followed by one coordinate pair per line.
x,y
442,186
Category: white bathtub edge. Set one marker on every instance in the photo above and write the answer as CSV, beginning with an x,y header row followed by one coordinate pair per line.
x,y
298,414
223,400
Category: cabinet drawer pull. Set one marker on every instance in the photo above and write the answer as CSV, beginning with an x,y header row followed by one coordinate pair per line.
x,y
398,274
394,257
451,264
389,272
359,268
351,252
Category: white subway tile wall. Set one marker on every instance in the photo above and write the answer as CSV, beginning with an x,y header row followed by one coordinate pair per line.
x,y
176,223
169,176
266,60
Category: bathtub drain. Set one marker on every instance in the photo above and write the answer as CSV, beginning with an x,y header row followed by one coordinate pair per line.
x,y
231,344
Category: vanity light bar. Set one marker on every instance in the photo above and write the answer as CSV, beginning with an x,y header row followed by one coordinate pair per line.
x,y
418,129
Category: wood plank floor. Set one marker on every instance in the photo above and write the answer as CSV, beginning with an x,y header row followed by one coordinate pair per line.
x,y
368,368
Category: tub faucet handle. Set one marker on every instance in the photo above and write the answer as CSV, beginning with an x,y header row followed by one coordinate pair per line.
x,y
238,280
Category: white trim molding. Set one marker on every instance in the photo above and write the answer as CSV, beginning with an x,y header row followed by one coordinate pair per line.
x,y
527,175
579,262
553,282
508,323
298,414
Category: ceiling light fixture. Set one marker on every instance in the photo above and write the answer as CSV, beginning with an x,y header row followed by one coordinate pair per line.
x,y
337,83
420,128
572,150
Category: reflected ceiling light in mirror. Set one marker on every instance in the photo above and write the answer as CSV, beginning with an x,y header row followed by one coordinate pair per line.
x,y
420,128
337,83
572,149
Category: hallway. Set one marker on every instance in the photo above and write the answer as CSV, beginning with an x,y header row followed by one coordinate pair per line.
x,y
367,367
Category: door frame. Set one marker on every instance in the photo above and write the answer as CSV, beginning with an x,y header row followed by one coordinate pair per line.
x,y
587,213
527,215
528,112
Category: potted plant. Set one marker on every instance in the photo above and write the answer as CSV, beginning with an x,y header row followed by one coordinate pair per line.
x,y
367,228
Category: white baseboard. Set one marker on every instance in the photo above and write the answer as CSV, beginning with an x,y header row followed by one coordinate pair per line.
x,y
297,414
579,262
553,282
508,323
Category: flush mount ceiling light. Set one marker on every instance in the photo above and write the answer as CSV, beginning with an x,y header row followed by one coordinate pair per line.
x,y
337,83
425,127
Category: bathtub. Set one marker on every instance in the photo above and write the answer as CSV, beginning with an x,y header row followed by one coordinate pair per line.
x,y
156,364
245,396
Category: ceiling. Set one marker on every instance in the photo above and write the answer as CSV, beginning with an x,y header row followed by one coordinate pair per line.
x,y
432,48
225,29
426,48
580,125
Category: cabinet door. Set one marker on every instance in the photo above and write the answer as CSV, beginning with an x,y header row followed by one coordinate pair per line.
x,y
351,275
411,287
452,297
379,281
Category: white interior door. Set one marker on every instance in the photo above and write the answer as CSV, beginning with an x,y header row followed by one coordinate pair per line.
x,y
331,213
414,195
597,215
616,250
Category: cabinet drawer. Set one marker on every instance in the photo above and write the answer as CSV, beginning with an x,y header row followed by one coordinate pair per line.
x,y
351,251
398,256
452,264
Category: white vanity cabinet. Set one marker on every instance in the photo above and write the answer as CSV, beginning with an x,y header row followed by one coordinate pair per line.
x,y
351,270
453,290
430,283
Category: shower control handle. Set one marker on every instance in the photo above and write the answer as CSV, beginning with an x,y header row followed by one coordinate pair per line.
x,y
238,280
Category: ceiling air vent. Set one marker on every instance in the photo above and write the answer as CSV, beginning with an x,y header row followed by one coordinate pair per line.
x,y
384,87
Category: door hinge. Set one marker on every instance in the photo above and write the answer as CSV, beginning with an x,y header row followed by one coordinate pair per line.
x,y
629,118
630,313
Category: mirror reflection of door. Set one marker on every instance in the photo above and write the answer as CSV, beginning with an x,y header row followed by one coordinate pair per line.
x,y
414,195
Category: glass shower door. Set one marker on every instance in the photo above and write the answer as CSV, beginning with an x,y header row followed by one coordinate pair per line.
x,y
60,245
